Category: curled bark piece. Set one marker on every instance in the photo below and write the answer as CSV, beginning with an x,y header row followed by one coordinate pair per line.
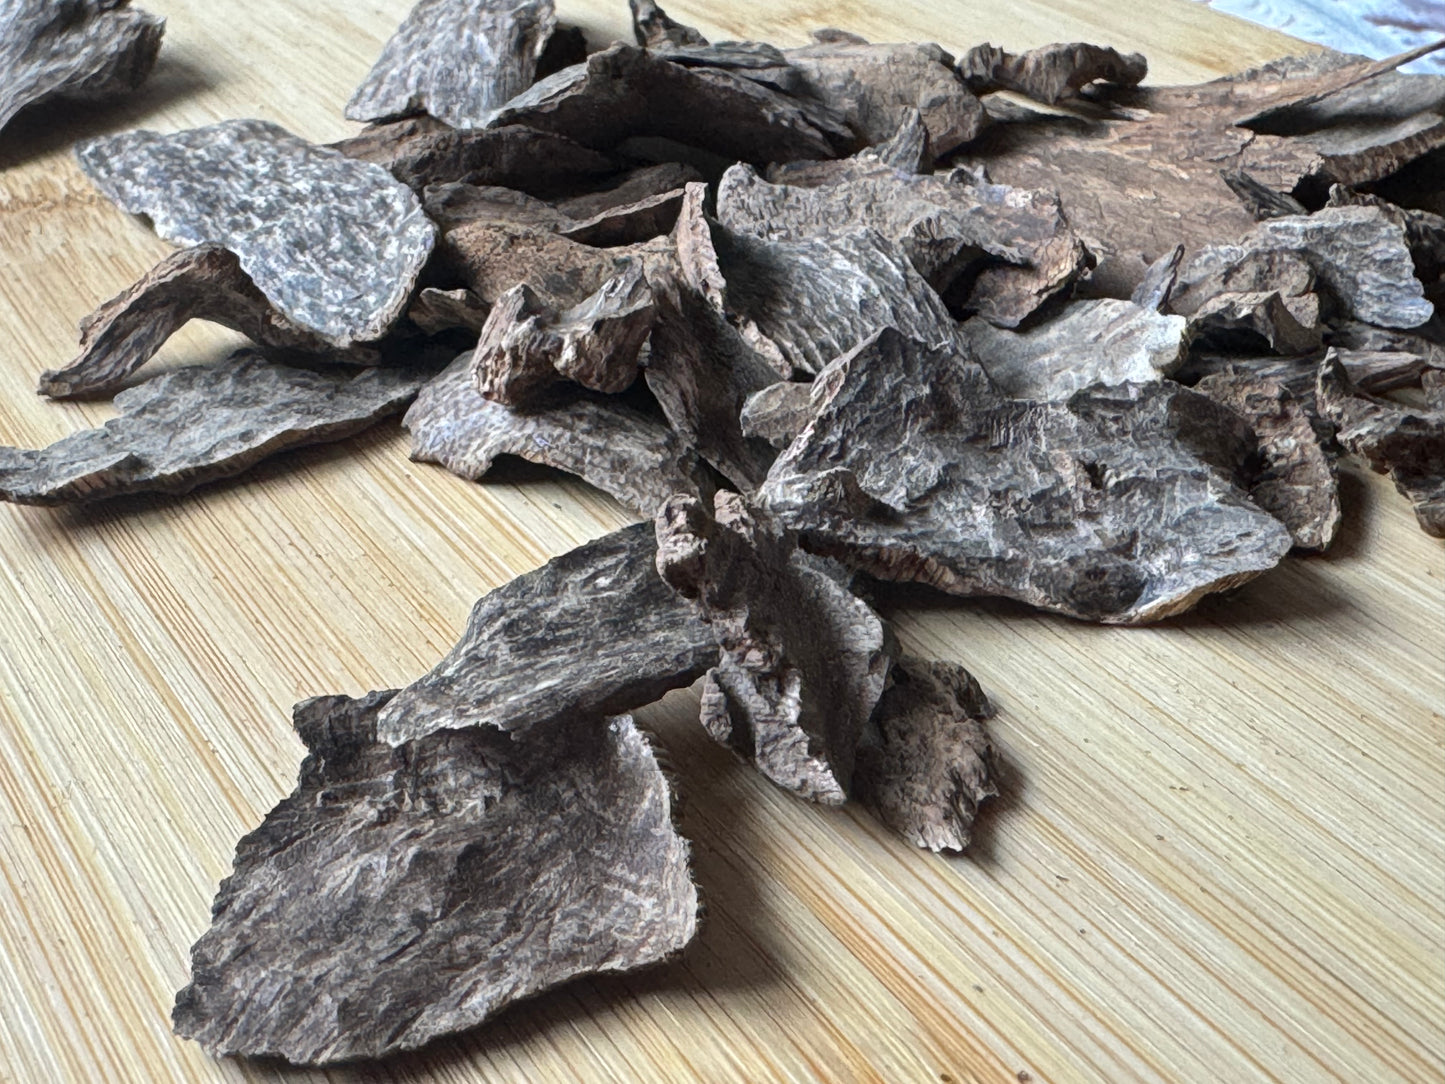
x,y
1407,443
625,91
526,346
1051,73
201,283
803,659
926,764
194,425
1118,506
336,245
1297,483
591,632
653,26
1087,343
620,449
436,311
403,894
875,87
86,50
457,60
778,413
943,223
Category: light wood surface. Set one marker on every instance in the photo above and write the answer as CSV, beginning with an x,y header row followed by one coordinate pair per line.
x,y
1220,856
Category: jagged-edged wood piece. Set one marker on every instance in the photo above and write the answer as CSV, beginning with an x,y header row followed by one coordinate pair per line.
x,y
1086,343
1116,506
1408,443
594,631
1235,296
419,152
925,764
201,283
194,425
84,50
875,86
803,660
778,412
335,244
632,187
398,895
630,223
458,203
1424,230
622,450
1156,288
1296,483
1050,73
1261,200
945,223
456,60
653,26
906,151
526,346
625,91
435,311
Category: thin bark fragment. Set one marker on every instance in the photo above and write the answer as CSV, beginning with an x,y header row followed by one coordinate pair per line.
x,y
1117,506
1156,288
1261,200
803,659
194,425
335,244
85,50
593,632
1051,73
926,764
630,223
456,60
629,188
617,447
435,311
403,894
201,283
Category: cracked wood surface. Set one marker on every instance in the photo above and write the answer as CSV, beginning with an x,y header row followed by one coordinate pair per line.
x,y
1220,853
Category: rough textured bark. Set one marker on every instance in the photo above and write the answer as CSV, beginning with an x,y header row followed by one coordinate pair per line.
x,y
201,283
631,455
590,633
926,764
1296,482
456,60
194,425
335,244
403,894
1051,73
1408,443
458,203
803,660
526,346
1086,343
778,413
1117,506
90,50
945,224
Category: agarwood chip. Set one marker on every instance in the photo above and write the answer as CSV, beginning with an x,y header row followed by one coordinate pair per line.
x,y
1408,443
457,203
527,346
435,311
803,660
624,451
1375,371
194,425
1297,482
83,50
943,222
593,632
335,244
874,88
925,763
1156,288
456,60
629,188
1117,506
1329,86
1287,323
1261,201
403,894
1051,73
201,283
654,27
1428,342
906,151
778,413
1424,230
625,91
631,223
1088,342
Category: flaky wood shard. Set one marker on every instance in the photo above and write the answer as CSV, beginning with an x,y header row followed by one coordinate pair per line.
x,y
84,50
335,244
194,425
1052,72
1118,505
803,660
456,60
402,894
594,631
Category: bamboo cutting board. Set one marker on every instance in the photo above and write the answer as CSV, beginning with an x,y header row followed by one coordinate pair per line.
x,y
1221,852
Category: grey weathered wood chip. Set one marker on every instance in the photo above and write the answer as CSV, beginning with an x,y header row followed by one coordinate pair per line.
x,y
435,311
1052,72
398,895
652,26
335,244
778,413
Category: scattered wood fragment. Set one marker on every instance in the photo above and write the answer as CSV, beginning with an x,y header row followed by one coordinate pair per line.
x,y
1051,73
778,412
436,311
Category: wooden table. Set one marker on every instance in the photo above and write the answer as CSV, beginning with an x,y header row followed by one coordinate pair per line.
x,y
1220,852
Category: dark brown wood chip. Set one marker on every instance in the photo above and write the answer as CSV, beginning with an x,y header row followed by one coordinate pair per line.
x,y
1051,73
